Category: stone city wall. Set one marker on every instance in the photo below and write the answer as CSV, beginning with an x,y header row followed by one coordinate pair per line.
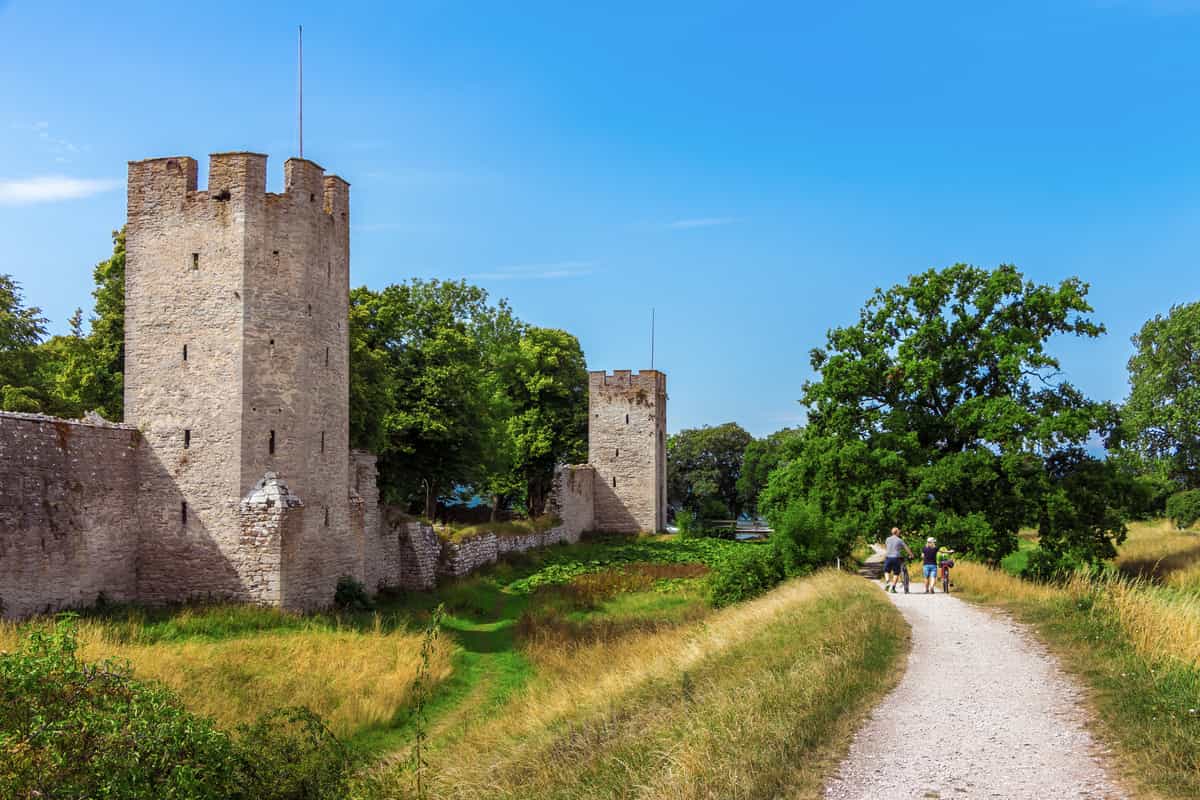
x,y
68,525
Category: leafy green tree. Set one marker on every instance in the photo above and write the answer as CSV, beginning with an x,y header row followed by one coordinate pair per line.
x,y
703,467
548,425
941,410
1161,418
420,398
21,330
761,458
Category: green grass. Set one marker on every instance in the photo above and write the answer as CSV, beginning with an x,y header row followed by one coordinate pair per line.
x,y
758,700
1015,562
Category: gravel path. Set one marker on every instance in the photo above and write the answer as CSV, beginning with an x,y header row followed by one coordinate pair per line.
x,y
982,712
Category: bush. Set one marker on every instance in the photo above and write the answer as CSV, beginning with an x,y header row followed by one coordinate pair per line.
x,y
802,538
1184,508
351,594
745,573
73,729
687,523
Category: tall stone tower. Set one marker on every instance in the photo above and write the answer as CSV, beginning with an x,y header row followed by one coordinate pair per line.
x,y
627,446
236,372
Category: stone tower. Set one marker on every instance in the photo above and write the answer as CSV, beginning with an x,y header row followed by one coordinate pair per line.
x,y
627,446
236,372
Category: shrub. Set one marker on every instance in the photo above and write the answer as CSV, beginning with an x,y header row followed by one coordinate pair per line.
x,y
73,729
802,538
687,523
1184,508
351,594
744,573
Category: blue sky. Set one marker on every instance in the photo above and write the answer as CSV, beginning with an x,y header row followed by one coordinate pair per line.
x,y
752,171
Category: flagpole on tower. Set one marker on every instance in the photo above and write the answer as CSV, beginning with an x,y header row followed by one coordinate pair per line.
x,y
651,338
300,60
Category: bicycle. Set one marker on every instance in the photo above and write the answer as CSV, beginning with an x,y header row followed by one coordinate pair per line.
x,y
944,568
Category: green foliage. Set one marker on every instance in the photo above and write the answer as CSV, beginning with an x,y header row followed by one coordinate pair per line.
x,y
703,467
747,572
351,594
289,754
73,729
761,458
450,391
687,523
803,539
1183,508
941,407
1161,418
21,329
545,385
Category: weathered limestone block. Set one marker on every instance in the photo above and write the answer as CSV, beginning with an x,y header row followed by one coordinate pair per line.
x,y
266,515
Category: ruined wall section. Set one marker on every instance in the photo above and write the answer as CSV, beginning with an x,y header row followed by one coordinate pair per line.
x,y
627,449
186,253
68,527
572,499
379,543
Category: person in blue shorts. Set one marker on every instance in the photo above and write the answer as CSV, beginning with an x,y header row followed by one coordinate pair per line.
x,y
892,561
929,559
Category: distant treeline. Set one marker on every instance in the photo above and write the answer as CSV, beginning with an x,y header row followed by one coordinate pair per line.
x,y
452,391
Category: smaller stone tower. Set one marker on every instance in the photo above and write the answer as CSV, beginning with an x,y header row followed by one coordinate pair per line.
x,y
627,446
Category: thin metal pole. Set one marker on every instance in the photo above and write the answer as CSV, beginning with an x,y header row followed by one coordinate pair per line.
x,y
301,90
652,338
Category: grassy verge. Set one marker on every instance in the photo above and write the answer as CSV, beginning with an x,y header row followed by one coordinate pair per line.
x,y
755,701
1137,647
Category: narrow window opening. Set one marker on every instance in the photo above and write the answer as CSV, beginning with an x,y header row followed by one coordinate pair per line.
x,y
185,352
310,309
312,198
618,452
326,516
322,441
275,253
327,356
614,481
271,344
187,438
626,419
183,512
222,196
271,444
195,261
329,272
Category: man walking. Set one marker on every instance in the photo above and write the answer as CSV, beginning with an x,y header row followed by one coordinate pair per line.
x,y
891,559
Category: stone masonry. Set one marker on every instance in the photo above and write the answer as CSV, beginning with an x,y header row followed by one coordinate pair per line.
x,y
627,447
232,477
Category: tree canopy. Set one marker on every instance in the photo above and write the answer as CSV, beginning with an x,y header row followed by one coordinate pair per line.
x,y
762,457
703,467
454,393
1161,418
941,411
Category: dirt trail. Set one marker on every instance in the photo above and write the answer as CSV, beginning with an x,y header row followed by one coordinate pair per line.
x,y
983,711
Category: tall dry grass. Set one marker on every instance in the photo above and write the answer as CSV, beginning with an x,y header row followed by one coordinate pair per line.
x,y
1158,624
1158,551
755,701
353,679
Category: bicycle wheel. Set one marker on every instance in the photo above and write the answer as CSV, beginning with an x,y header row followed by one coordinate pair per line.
x,y
946,581
904,576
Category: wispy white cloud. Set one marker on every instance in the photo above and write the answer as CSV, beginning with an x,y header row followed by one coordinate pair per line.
x,y
536,272
699,222
63,149
51,189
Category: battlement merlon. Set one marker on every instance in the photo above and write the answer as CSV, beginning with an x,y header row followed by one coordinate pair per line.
x,y
648,380
164,184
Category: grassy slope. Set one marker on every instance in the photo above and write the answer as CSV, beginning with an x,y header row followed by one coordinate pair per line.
x,y
1137,648
755,701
